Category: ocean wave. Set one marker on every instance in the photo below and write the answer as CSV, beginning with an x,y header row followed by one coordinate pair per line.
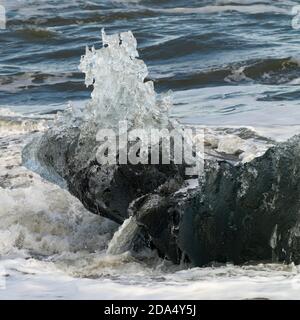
x,y
35,34
269,71
193,44
21,80
87,17
15,123
95,13
274,71
245,9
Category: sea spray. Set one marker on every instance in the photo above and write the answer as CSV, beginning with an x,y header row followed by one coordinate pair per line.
x,y
121,91
121,94
123,240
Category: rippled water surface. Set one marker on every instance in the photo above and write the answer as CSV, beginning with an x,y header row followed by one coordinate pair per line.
x,y
233,63
225,60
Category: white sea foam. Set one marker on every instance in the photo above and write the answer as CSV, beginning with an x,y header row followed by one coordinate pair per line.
x,y
33,279
39,216
122,239
237,75
12,123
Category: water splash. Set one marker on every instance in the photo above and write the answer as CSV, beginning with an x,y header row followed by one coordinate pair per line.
x,y
123,239
121,91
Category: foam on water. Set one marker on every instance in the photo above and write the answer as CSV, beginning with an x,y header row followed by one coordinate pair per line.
x,y
33,279
46,234
39,218
123,238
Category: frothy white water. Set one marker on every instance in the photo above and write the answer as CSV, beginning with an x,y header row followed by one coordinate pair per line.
x,y
12,123
39,218
33,279
122,240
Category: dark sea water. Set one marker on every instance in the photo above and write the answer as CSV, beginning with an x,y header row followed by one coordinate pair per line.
x,y
230,63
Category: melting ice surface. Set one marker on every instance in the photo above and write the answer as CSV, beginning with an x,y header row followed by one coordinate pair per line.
x,y
51,247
